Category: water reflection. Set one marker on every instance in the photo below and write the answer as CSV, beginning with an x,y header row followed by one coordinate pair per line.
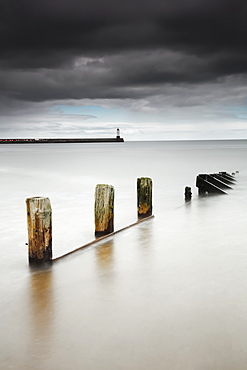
x,y
145,234
41,313
104,254
105,271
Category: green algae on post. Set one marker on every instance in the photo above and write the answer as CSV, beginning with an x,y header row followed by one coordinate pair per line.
x,y
144,197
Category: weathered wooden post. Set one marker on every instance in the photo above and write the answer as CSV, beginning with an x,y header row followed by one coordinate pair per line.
x,y
144,197
104,210
39,219
187,193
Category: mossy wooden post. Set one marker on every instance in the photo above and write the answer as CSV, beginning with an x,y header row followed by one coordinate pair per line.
x,y
39,219
144,197
104,210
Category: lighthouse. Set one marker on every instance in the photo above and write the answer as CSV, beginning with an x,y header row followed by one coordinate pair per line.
x,y
118,133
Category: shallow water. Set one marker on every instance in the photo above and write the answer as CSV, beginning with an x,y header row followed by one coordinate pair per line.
x,y
167,294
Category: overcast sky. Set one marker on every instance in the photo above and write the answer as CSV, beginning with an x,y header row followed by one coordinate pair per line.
x,y
157,69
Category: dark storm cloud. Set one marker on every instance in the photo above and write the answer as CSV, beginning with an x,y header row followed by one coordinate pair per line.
x,y
96,25
71,49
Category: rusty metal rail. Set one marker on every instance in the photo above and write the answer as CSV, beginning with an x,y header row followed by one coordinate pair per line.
x,y
102,238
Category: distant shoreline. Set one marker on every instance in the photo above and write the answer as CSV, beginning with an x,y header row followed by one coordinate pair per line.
x,y
47,141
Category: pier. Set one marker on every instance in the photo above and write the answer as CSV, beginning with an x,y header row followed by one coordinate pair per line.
x,y
116,139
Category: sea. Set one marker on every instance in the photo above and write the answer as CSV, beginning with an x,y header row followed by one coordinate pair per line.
x,y
167,294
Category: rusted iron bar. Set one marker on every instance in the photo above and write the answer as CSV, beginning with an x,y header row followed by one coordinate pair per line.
x,y
102,238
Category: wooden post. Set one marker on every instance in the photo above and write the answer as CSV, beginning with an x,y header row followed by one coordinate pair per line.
x,y
39,219
144,197
104,210
187,194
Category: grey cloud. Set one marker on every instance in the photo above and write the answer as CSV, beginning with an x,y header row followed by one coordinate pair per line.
x,y
125,75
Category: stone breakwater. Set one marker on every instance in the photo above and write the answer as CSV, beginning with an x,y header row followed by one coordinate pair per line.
x,y
45,141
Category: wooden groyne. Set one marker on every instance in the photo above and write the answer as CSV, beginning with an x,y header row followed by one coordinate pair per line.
x,y
187,194
39,213
104,209
39,219
214,183
144,197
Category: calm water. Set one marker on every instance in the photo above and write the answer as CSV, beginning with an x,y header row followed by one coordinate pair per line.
x,y
170,293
